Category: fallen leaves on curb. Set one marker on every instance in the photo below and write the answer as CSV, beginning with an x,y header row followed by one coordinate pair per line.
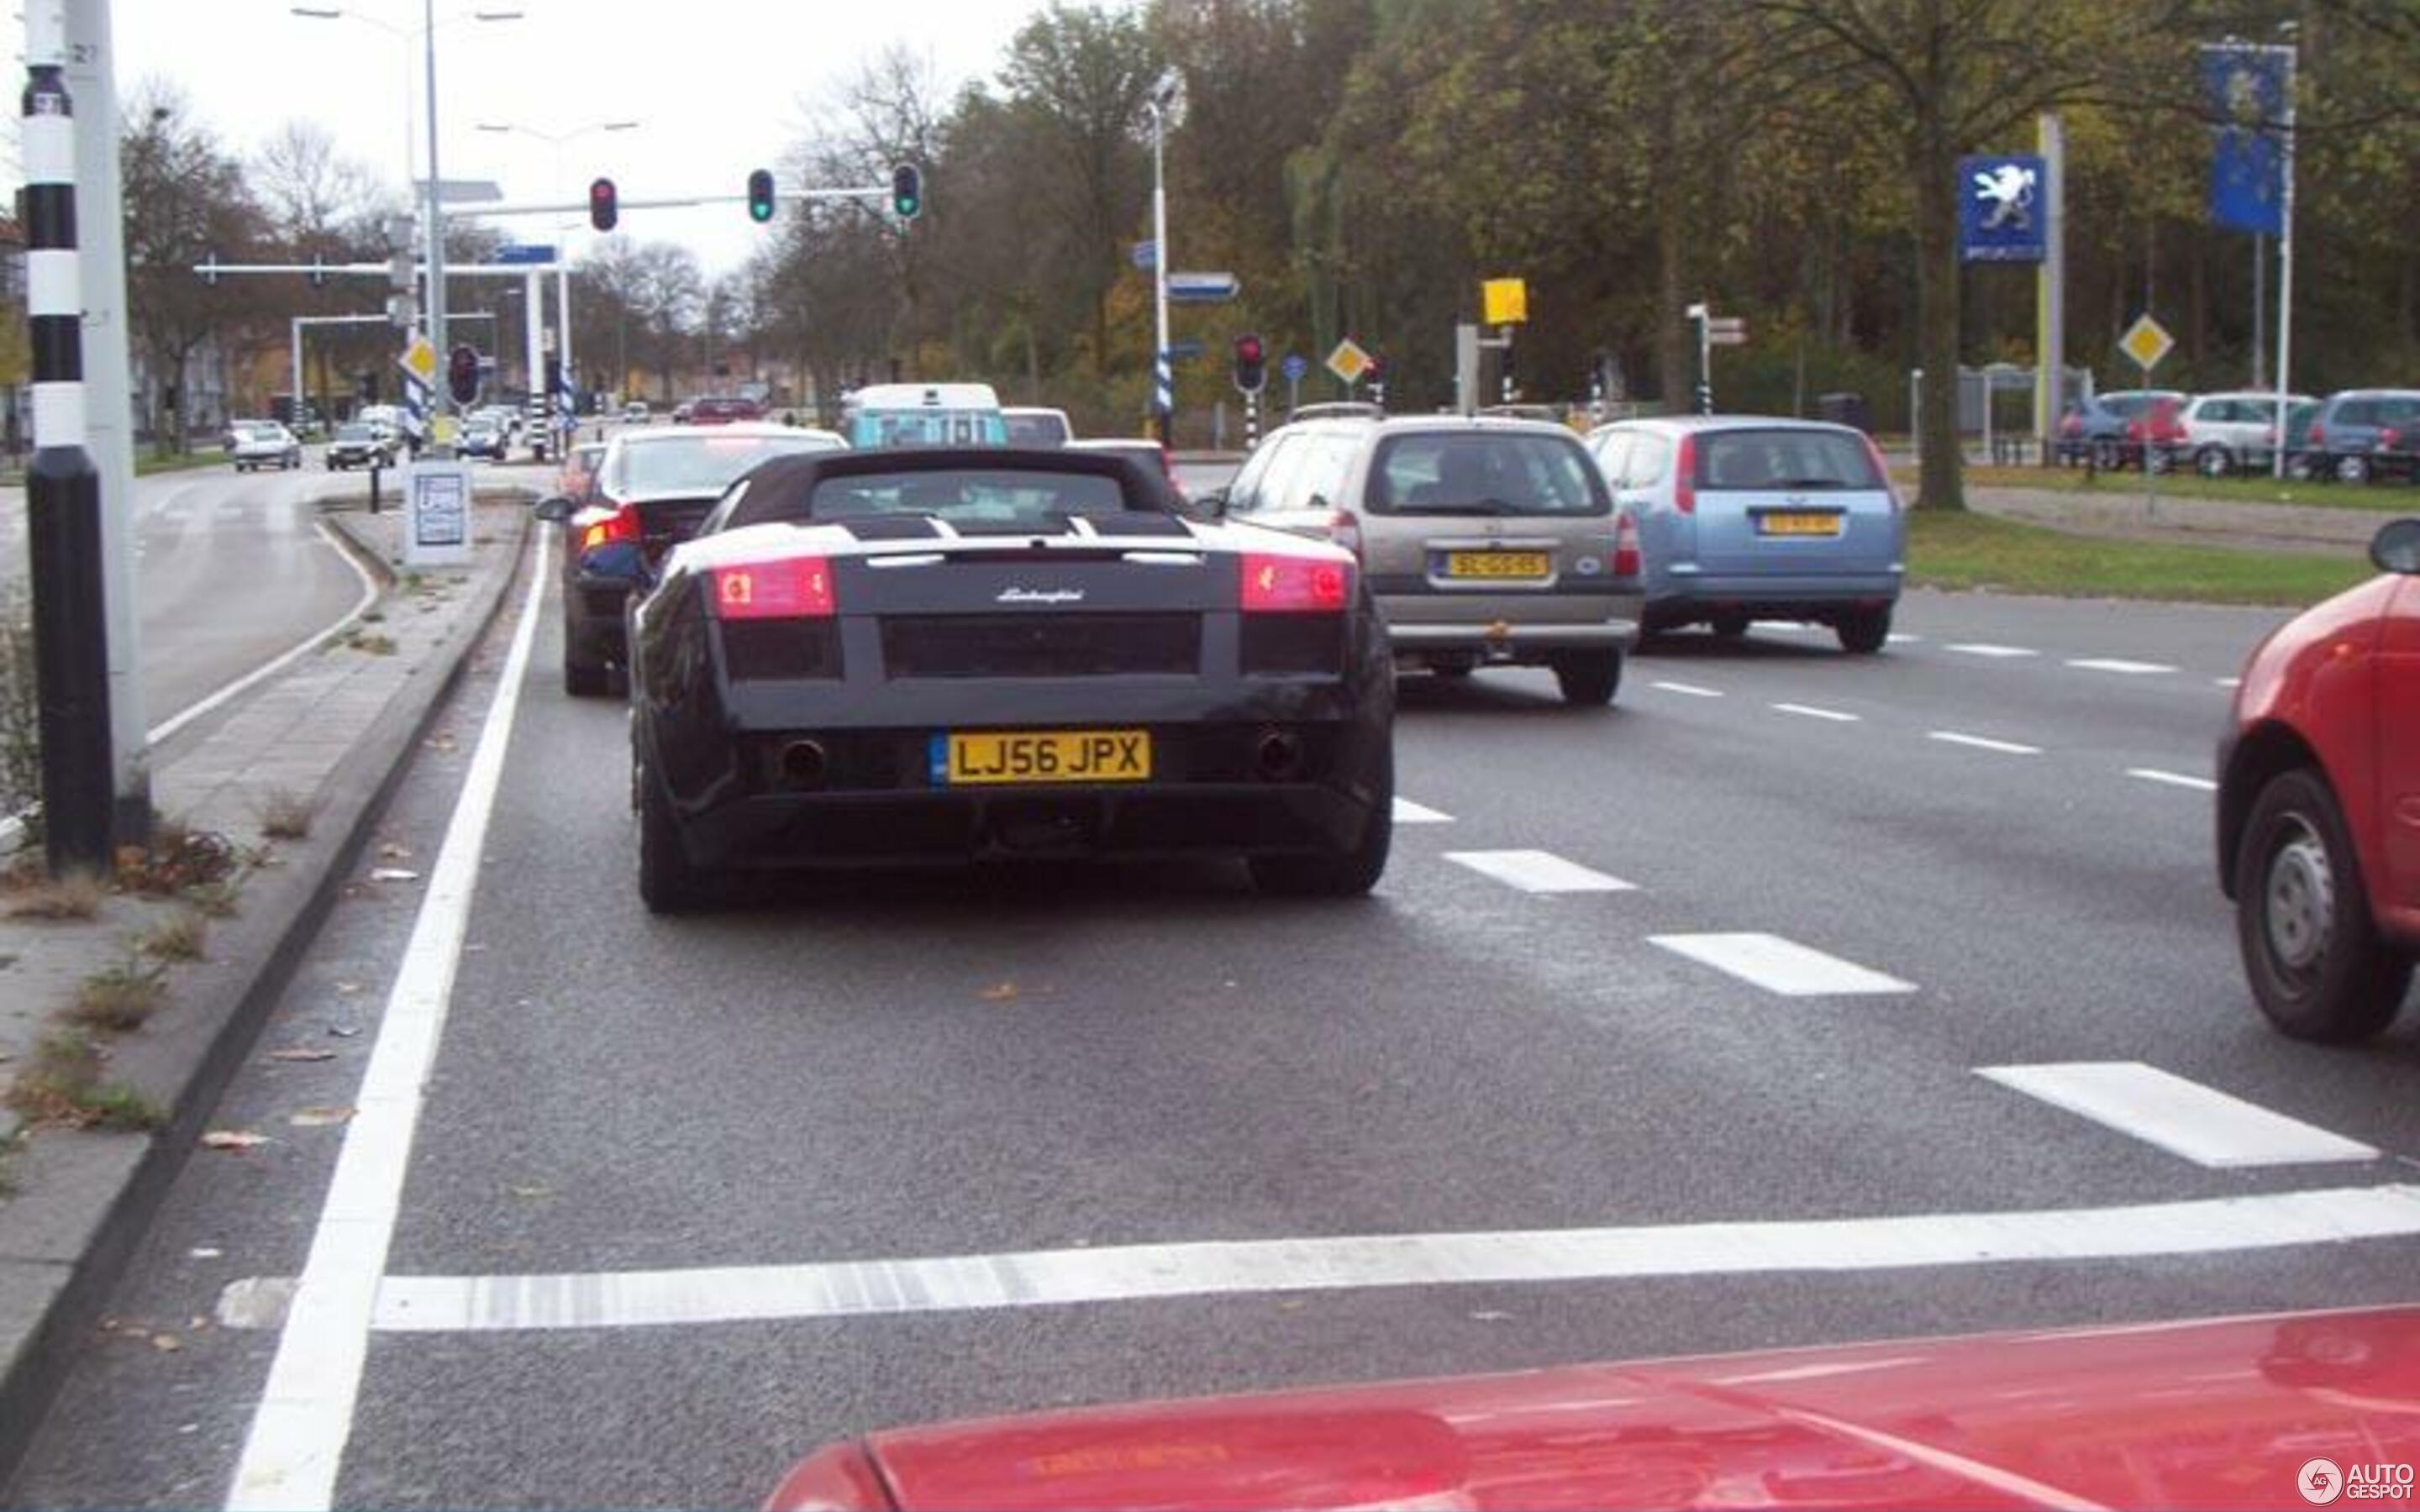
x,y
302,1052
235,1139
393,873
319,1118
395,851
998,993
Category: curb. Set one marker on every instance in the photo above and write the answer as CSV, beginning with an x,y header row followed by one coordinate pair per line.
x,y
95,1224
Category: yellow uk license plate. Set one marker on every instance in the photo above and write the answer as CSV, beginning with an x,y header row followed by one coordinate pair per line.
x,y
1042,756
1790,524
1498,563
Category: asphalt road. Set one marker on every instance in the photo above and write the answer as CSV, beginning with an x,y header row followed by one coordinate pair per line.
x,y
1959,831
233,571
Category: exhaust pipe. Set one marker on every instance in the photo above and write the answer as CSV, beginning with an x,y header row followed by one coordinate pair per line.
x,y
1278,755
802,764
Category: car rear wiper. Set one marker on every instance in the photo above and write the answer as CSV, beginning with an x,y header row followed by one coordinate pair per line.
x,y
1476,506
1808,483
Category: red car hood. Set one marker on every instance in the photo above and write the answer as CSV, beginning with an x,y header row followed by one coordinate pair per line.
x,y
2200,1414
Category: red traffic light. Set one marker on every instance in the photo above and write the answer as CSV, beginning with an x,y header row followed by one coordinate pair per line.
x,y
1248,349
462,373
1251,362
604,205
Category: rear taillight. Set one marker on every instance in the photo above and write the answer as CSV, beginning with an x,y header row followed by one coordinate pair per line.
x,y
1628,561
620,525
1345,532
2318,433
1882,470
1685,476
787,588
1281,585
2134,430
2071,425
2389,438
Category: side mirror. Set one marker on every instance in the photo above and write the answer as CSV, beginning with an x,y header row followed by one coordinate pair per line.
x,y
1211,505
2396,548
556,510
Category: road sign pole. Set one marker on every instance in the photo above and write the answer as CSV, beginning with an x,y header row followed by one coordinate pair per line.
x,y
438,401
1251,419
1465,368
2050,304
2286,272
1163,373
534,345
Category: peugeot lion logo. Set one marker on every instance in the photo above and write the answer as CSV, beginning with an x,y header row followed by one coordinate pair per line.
x,y
1040,595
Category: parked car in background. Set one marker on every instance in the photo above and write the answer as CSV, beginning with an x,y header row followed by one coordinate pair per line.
x,y
2318,793
653,487
636,412
2362,434
1140,449
252,444
483,436
1742,518
1031,426
2229,433
578,478
681,411
360,445
1487,542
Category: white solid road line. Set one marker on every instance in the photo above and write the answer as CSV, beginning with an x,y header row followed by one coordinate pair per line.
x,y
1810,712
1537,871
1779,965
1408,813
1982,648
2204,1125
1689,689
2174,780
1044,1278
2007,748
283,659
305,1414
2121,664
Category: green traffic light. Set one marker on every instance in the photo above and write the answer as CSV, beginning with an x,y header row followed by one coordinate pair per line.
x,y
907,191
760,195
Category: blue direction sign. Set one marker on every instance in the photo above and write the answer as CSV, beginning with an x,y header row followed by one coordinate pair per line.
x,y
1294,367
1184,350
1203,288
2002,211
1146,256
524,252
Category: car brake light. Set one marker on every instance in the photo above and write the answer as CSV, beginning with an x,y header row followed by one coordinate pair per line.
x,y
2071,425
1685,476
2389,438
1628,561
2134,430
2316,434
1345,532
1283,584
620,525
786,588
1882,470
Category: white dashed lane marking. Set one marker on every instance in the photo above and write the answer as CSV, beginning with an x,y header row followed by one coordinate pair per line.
x,y
1899,639
2229,682
1779,965
1537,871
1408,813
2120,665
1688,689
2174,780
1809,711
2204,1125
1979,648
2005,748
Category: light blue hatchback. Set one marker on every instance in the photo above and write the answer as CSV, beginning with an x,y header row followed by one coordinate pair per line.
x,y
1743,518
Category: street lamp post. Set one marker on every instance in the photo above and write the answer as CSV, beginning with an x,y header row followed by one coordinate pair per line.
x,y
559,140
1163,372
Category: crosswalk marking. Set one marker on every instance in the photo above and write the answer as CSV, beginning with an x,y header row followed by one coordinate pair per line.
x,y
1408,813
1779,965
2007,747
1537,871
2204,1125
1811,712
2174,780
2120,665
1984,648
1688,689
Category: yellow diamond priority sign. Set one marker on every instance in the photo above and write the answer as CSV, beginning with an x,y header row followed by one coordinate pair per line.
x,y
420,361
1348,361
2147,342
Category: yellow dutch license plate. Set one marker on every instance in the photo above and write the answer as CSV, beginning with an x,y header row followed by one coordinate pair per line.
x,y
1042,756
1799,524
1498,563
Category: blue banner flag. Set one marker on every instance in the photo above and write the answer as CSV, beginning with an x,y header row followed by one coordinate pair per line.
x,y
2245,91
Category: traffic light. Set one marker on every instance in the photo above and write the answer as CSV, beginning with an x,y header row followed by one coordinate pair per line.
x,y
1251,363
604,205
908,191
1375,376
760,195
462,373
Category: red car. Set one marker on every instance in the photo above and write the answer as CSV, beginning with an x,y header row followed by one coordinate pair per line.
x,y
2318,805
724,411
2231,1413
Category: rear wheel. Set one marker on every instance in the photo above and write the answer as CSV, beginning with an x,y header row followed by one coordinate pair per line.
x,y
1730,624
1864,631
2107,456
669,883
1588,678
2352,470
2213,462
2311,951
1343,873
583,678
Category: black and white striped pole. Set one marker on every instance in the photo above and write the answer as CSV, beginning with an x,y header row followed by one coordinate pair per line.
x,y
62,485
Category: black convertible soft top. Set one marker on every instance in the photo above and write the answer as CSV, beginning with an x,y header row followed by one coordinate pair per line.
x,y
781,491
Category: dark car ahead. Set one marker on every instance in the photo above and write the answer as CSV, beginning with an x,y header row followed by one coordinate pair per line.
x,y
2127,427
2363,434
875,657
650,491
359,445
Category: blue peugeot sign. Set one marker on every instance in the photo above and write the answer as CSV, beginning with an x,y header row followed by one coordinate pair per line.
x,y
2003,209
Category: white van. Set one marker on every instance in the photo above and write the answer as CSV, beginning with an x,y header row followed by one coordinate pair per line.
x,y
923,415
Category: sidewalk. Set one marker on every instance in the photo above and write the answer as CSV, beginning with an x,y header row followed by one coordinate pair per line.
x,y
292,778
2169,518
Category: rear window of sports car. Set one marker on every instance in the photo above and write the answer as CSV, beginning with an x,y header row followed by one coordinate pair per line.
x,y
975,501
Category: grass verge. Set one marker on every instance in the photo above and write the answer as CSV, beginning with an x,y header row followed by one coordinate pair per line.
x,y
2395,498
146,465
61,1086
1972,550
120,997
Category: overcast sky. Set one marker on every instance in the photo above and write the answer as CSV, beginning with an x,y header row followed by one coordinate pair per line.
x,y
719,87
